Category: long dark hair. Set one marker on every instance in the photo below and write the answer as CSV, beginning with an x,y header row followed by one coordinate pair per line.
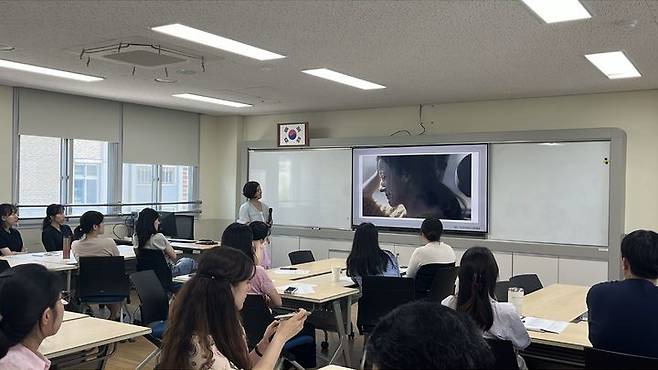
x,y
240,237
88,220
366,257
260,229
51,212
145,226
205,307
6,210
478,272
25,292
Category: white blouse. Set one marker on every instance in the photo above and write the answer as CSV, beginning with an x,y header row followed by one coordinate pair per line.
x,y
249,213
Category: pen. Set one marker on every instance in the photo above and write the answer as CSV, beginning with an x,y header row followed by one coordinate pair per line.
x,y
287,268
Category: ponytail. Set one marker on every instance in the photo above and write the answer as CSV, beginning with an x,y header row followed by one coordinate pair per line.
x,y
51,212
145,226
478,272
87,222
25,292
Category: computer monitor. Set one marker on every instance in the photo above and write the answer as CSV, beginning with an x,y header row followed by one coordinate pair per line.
x,y
168,224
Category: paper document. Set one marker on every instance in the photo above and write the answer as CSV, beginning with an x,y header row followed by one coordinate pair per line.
x,y
291,272
302,288
182,278
347,281
544,325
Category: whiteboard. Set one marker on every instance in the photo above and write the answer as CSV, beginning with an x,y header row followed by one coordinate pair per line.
x,y
549,192
305,187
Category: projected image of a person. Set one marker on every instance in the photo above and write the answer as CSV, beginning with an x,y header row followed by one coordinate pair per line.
x,y
414,181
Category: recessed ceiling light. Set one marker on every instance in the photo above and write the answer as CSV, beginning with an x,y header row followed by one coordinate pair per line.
x,y
614,64
165,80
553,11
207,99
48,71
215,41
185,72
6,47
328,74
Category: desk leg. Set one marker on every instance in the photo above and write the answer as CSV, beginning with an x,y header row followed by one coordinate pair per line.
x,y
68,281
340,325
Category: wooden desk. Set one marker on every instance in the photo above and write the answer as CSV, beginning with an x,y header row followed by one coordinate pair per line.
x,y
313,269
193,248
68,316
83,334
564,303
335,367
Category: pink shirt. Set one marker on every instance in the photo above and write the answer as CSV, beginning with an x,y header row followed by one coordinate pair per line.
x,y
261,283
265,259
20,357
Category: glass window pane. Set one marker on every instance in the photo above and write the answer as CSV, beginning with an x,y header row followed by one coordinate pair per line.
x,y
177,186
137,186
90,177
39,173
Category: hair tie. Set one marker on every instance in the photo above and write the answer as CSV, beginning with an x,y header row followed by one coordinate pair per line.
x,y
207,276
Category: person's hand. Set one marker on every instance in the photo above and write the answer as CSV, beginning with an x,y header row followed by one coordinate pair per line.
x,y
371,185
270,331
289,328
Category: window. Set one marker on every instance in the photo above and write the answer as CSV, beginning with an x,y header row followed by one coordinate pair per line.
x,y
90,175
44,177
141,184
39,173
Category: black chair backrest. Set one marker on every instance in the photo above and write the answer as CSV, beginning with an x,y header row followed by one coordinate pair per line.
x,y
151,259
503,351
501,290
4,265
303,256
425,278
102,277
601,359
379,296
184,226
444,283
154,304
256,316
529,282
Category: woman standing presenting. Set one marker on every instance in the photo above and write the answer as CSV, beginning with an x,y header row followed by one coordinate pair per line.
x,y
253,209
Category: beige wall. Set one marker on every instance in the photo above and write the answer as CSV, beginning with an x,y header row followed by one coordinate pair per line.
x,y
6,124
218,153
634,112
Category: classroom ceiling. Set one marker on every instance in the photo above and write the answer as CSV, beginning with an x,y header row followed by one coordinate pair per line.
x,y
423,51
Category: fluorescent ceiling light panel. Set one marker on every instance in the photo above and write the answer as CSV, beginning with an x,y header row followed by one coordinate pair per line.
x,y
48,71
553,11
207,99
214,41
614,64
328,74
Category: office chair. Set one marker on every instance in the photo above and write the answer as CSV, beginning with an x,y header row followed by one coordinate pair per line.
x,y
184,226
425,277
256,316
502,289
102,280
303,256
503,351
601,359
4,265
154,308
151,259
529,282
443,284
379,296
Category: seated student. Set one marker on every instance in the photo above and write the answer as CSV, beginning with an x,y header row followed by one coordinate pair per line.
x,y
54,230
425,335
478,273
622,314
204,329
10,239
367,258
147,237
31,309
434,251
261,231
87,243
240,237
